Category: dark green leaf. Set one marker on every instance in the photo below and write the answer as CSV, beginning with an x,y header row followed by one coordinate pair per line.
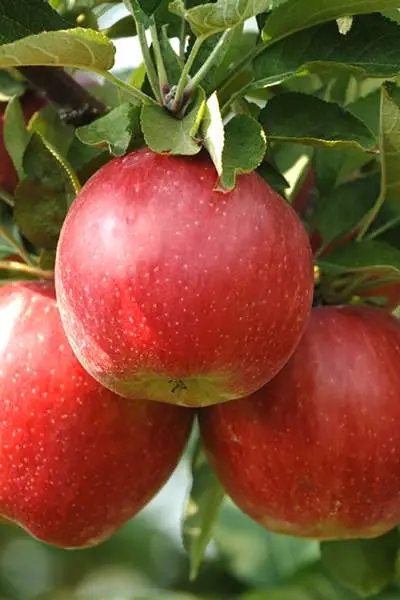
x,y
165,133
244,149
47,260
273,177
219,16
48,124
295,15
42,200
20,18
172,62
341,211
305,119
256,556
201,510
16,136
367,109
360,256
116,129
125,27
364,566
10,87
149,6
371,49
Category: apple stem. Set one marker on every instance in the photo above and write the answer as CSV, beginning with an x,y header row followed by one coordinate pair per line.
x,y
24,268
60,88
148,61
182,37
19,249
161,71
208,63
180,91
7,198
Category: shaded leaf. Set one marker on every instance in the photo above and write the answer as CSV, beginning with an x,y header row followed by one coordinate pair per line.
x,y
305,119
364,566
295,15
16,136
360,256
21,18
165,133
341,211
201,509
115,129
371,49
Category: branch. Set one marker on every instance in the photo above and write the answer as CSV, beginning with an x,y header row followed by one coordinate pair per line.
x,y
80,107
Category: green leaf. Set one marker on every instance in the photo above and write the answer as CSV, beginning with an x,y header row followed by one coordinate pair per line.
x,y
48,124
367,109
305,119
125,27
390,143
201,510
341,211
42,200
365,50
386,212
116,129
295,15
333,166
47,260
273,177
172,62
213,133
244,149
362,256
364,566
149,6
219,16
138,13
21,18
10,87
165,133
256,556
16,136
78,47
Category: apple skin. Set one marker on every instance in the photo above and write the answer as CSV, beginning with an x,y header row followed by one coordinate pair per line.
x,y
76,460
30,104
171,291
316,452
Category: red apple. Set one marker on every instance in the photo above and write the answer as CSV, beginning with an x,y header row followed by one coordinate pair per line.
x,y
76,460
30,104
316,452
172,291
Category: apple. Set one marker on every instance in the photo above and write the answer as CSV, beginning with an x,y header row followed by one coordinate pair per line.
x,y
316,452
76,460
171,291
30,103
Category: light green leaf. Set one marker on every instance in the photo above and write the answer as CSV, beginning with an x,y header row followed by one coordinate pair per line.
x,y
364,566
48,124
20,18
371,48
390,143
305,119
201,510
164,133
295,15
115,129
208,19
244,149
213,131
16,136
78,47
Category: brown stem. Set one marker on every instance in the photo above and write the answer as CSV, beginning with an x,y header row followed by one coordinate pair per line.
x,y
79,106
11,265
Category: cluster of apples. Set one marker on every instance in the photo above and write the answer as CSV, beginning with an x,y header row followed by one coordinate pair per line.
x,y
172,300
